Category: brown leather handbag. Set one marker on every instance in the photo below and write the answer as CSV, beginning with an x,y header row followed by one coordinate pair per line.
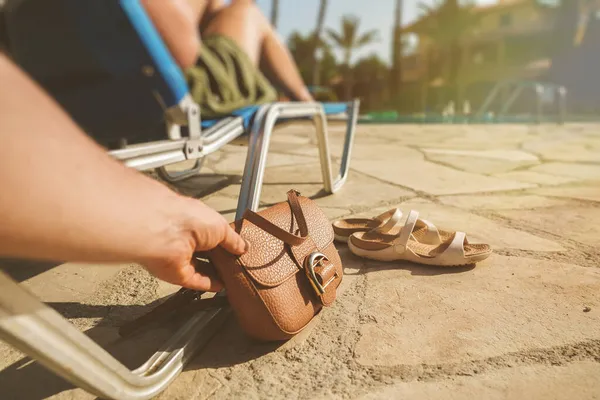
x,y
290,271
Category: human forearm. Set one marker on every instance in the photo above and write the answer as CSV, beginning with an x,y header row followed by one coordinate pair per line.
x,y
55,179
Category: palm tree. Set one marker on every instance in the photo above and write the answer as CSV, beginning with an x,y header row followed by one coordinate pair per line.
x,y
397,47
274,12
302,49
371,81
445,24
317,39
349,40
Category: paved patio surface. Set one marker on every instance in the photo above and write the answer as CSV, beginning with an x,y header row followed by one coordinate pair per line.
x,y
523,324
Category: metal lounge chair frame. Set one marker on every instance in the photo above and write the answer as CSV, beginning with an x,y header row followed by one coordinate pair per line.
x,y
43,334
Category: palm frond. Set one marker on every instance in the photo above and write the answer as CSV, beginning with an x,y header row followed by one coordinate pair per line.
x,y
349,37
367,38
350,25
335,37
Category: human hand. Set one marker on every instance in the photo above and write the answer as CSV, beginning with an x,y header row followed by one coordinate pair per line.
x,y
201,229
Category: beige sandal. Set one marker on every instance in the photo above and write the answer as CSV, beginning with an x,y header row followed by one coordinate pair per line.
x,y
424,231
384,245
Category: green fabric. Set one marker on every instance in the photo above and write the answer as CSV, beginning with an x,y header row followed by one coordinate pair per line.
x,y
224,79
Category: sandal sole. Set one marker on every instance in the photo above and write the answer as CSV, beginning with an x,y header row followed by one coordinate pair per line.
x,y
378,256
341,239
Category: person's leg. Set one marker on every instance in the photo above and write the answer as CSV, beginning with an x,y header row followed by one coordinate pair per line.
x,y
176,21
243,22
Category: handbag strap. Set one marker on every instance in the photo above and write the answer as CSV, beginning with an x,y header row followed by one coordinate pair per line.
x,y
282,234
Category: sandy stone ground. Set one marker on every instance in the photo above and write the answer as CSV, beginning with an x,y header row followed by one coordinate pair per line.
x,y
524,324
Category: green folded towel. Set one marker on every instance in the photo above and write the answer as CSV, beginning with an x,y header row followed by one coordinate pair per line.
x,y
224,79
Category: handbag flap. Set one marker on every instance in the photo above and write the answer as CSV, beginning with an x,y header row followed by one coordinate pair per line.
x,y
268,260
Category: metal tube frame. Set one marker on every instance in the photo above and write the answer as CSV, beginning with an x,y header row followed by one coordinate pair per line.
x,y
260,137
148,156
43,334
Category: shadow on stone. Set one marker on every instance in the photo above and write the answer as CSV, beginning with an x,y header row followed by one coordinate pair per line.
x,y
320,194
415,269
22,270
231,347
204,185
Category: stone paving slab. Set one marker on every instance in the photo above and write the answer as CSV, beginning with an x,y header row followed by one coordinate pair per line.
x,y
503,155
575,381
579,171
480,137
201,185
482,166
422,315
502,202
523,324
432,178
569,150
408,134
574,223
233,161
226,205
383,151
536,177
486,161
308,182
589,192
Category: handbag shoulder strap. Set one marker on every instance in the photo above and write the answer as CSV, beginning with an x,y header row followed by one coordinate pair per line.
x,y
297,211
282,234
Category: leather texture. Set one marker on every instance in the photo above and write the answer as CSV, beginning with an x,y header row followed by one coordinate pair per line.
x,y
268,287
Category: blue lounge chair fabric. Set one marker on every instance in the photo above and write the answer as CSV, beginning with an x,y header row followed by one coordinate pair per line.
x,y
247,113
104,55
103,61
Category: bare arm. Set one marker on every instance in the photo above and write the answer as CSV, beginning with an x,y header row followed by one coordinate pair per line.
x,y
177,22
64,198
281,67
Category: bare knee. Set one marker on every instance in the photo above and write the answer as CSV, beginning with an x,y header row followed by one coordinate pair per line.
x,y
243,22
250,11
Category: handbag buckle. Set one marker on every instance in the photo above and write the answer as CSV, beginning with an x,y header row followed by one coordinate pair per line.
x,y
314,260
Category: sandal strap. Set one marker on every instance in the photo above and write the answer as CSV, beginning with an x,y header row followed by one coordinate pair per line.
x,y
384,217
393,218
432,234
401,242
456,249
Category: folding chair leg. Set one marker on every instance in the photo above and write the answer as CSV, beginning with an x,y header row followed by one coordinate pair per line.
x,y
40,332
260,137
353,110
178,176
255,144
